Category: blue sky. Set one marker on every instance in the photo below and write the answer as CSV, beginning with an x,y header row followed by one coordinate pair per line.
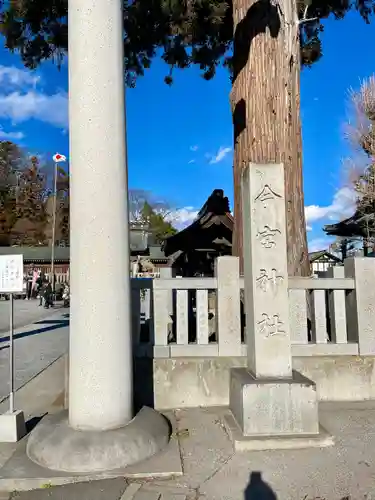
x,y
180,137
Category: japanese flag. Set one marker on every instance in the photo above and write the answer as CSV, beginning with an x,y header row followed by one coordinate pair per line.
x,y
59,158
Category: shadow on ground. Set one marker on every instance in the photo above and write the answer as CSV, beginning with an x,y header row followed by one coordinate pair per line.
x,y
33,422
143,383
257,489
54,324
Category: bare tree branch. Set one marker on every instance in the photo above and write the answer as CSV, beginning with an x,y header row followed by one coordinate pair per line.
x,y
360,167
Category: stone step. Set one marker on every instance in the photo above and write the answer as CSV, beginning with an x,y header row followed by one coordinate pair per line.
x,y
135,491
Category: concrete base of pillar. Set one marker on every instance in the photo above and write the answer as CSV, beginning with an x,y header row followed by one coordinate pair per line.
x,y
273,407
285,442
12,427
53,444
20,473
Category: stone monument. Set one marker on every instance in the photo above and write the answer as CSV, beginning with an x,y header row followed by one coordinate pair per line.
x,y
273,405
100,432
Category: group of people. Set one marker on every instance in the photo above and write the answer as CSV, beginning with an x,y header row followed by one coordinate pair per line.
x,y
39,286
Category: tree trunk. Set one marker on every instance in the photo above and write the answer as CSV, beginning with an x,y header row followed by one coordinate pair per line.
x,y
265,102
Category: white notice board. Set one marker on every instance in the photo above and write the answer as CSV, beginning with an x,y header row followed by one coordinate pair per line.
x,y
11,273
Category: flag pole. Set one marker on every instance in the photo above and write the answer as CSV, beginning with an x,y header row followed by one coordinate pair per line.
x,y
57,158
54,230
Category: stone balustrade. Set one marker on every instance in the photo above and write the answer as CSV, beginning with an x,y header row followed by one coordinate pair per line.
x,y
176,320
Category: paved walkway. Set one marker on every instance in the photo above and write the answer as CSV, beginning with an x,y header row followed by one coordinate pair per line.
x,y
212,470
112,489
36,346
25,313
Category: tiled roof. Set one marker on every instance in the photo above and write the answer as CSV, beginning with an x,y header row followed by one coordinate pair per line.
x,y
43,253
37,253
313,256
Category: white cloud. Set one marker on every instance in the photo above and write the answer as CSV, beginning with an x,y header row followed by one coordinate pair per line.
x,y
191,161
15,77
194,148
317,244
342,206
182,217
21,100
9,136
220,155
20,107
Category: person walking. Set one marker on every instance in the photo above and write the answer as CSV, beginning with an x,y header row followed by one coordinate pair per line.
x,y
48,295
29,284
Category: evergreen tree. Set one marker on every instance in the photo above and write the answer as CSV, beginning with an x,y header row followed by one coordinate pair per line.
x,y
62,207
32,217
11,161
157,223
263,42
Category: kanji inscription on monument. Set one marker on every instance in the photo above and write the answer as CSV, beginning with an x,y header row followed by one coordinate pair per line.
x,y
267,193
267,280
265,271
270,326
267,236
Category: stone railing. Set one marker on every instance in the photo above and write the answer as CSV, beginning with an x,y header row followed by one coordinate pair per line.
x,y
203,317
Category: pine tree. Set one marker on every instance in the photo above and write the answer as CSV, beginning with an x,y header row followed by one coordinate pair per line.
x,y
261,41
158,223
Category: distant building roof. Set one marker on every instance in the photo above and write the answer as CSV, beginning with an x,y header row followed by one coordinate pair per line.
x,y
359,224
314,256
204,232
62,254
37,254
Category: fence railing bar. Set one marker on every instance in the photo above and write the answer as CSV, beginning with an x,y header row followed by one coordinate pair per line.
x,y
297,283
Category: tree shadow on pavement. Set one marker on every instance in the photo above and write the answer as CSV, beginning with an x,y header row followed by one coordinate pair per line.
x,y
257,489
53,325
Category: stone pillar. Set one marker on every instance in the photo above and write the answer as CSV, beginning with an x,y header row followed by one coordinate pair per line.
x,y
265,272
268,398
99,434
100,392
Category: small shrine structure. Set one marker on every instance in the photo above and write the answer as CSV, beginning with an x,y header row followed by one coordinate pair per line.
x,y
360,225
192,251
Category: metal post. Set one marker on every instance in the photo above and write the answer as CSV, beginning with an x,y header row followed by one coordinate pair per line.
x,y
11,355
54,231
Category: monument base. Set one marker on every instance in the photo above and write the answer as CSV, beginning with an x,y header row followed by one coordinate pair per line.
x,y
53,444
12,427
273,407
285,442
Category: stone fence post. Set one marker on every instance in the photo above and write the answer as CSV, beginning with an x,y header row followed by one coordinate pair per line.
x,y
228,307
167,273
337,307
361,303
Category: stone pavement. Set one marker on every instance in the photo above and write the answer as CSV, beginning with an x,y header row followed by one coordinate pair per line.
x,y
113,489
213,471
36,346
25,313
